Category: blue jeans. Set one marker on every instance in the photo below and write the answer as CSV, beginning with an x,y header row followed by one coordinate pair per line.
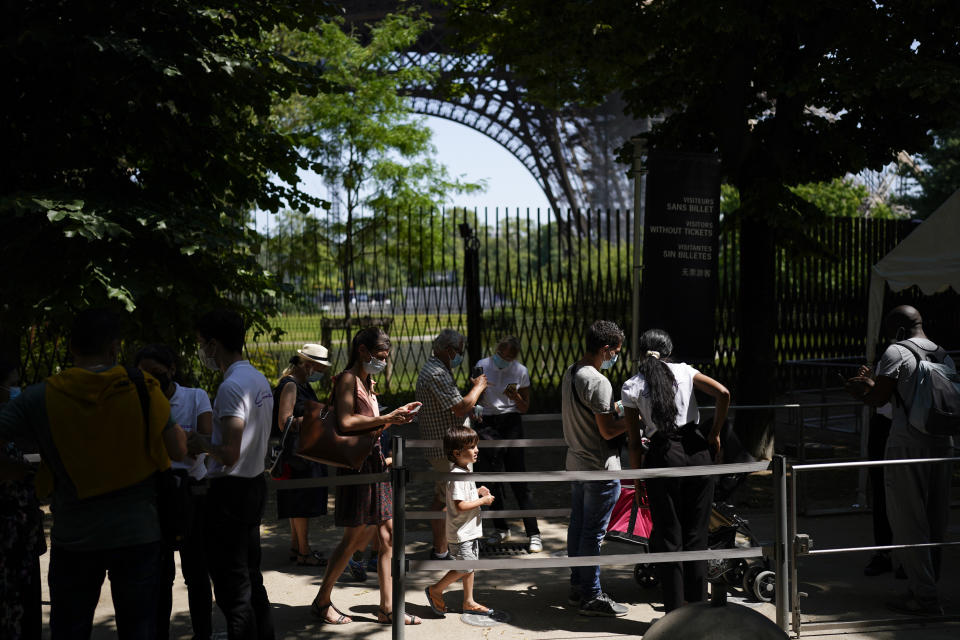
x,y
592,504
76,577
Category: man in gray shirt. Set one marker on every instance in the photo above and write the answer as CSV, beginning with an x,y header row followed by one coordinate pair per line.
x,y
589,422
918,495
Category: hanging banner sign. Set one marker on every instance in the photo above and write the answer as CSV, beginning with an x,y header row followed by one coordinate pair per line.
x,y
680,251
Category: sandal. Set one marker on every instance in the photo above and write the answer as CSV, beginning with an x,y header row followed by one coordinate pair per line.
x,y
482,611
408,619
311,559
436,604
293,554
321,612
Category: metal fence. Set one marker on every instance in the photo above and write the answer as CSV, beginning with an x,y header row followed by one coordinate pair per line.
x,y
544,278
546,281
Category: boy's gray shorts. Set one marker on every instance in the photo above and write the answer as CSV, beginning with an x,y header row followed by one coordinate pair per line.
x,y
468,550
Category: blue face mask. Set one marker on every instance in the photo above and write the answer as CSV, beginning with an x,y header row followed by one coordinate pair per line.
x,y
14,392
609,363
316,376
456,361
374,366
499,362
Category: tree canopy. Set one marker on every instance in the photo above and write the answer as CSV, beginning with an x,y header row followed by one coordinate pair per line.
x,y
787,93
136,137
372,149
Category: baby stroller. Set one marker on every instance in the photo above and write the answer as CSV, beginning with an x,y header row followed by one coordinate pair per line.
x,y
631,523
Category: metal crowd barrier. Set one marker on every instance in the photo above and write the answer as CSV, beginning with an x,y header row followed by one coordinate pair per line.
x,y
400,565
802,545
788,545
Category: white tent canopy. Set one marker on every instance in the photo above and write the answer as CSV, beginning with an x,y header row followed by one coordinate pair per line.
x,y
928,258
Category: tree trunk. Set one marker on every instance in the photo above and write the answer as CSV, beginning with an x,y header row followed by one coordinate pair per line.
x,y
757,320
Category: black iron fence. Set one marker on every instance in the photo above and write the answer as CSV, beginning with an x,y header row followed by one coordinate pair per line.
x,y
542,280
545,282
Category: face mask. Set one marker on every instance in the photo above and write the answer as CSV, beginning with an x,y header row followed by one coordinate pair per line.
x,y
14,392
374,366
499,362
208,361
609,363
456,361
316,376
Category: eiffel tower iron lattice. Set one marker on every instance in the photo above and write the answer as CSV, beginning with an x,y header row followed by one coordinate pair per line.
x,y
568,151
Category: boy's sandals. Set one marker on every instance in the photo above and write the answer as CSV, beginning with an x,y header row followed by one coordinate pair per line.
x,y
311,559
321,612
479,611
436,604
388,618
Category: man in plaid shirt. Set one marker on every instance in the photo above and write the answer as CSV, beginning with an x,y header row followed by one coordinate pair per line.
x,y
443,407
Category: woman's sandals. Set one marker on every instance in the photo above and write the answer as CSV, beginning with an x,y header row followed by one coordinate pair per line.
x,y
311,559
321,612
386,617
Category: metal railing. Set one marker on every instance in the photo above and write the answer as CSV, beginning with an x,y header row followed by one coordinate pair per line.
x,y
788,545
802,545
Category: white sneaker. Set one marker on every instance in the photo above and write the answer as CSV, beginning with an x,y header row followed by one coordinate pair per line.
x,y
498,537
536,544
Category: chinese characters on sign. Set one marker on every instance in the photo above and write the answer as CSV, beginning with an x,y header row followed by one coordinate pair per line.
x,y
681,242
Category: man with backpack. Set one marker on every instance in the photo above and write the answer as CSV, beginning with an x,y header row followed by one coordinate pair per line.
x,y
100,460
918,495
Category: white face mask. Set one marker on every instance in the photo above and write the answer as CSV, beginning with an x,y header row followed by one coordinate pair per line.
x,y
208,361
374,366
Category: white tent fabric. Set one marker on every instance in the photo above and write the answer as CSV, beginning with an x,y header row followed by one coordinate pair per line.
x,y
928,258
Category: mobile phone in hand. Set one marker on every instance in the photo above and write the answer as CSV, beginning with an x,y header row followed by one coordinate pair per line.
x,y
510,388
476,372
415,409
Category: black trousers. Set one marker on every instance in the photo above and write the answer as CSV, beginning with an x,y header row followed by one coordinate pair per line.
x,y
680,509
193,565
506,426
876,445
232,542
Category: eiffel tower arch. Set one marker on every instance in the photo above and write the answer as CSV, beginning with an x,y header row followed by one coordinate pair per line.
x,y
569,152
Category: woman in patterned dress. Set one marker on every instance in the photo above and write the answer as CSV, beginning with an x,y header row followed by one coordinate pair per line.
x,y
363,510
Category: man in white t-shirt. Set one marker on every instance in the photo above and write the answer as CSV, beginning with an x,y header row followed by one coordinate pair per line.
x,y
918,495
189,408
506,397
243,414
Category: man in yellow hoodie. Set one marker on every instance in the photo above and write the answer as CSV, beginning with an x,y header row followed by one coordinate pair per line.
x,y
89,425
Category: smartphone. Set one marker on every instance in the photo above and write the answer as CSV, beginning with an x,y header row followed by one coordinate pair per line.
x,y
416,408
511,388
476,372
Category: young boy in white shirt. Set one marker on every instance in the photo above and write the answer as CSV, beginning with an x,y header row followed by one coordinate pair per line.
x,y
464,500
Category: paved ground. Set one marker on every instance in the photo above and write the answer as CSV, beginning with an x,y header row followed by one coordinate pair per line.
x,y
535,600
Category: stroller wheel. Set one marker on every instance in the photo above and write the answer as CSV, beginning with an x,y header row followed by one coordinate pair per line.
x,y
645,575
765,586
750,574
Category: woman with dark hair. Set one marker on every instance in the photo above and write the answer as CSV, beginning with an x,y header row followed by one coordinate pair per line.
x,y
298,505
659,404
363,510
